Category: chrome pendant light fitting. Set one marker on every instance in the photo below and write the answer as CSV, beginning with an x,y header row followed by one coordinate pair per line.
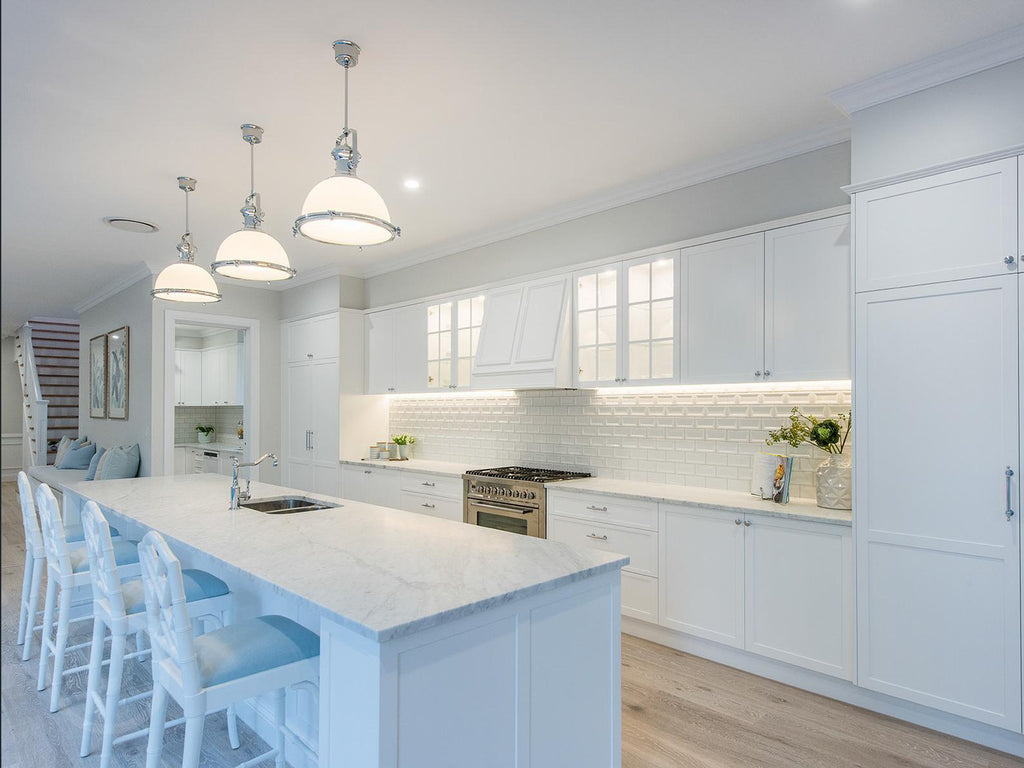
x,y
185,280
250,253
343,209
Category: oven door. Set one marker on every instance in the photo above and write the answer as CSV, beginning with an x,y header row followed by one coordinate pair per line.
x,y
527,521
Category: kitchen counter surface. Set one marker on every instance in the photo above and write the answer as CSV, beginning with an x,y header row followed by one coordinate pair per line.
x,y
731,501
426,466
381,572
218,446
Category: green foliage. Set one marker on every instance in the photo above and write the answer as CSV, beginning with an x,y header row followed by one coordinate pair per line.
x,y
828,434
204,428
403,439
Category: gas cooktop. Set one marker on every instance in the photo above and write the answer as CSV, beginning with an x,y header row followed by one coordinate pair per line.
x,y
527,474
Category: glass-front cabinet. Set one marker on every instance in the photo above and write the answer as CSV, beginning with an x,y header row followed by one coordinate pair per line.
x,y
453,331
626,328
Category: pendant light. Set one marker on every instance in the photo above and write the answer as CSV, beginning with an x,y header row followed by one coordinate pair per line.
x,y
343,209
185,280
250,253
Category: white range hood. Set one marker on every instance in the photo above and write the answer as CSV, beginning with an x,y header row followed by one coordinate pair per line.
x,y
525,337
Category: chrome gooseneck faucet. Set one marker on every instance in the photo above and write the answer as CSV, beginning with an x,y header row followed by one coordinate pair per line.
x,y
237,494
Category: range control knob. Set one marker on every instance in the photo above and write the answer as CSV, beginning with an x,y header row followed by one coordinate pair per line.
x,y
533,495
516,493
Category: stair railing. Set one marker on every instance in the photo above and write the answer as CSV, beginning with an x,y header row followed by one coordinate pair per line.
x,y
35,412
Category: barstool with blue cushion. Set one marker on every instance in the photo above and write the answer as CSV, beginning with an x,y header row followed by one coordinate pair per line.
x,y
208,673
35,557
67,569
122,608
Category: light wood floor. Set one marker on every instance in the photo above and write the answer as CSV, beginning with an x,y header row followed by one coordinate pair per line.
x,y
678,711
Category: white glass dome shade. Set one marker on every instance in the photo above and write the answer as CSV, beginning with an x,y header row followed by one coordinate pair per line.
x,y
251,254
345,210
185,281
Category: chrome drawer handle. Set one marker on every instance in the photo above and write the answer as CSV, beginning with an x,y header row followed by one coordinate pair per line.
x,y
595,536
429,485
428,506
1009,498
597,509
367,471
746,523
738,521
1008,261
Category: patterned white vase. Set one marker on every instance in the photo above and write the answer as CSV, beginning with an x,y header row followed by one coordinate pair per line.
x,y
835,482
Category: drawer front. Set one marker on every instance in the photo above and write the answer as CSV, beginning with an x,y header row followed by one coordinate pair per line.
x,y
437,506
640,546
640,597
604,509
434,485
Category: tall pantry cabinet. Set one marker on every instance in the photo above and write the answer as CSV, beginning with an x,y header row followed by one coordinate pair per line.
x,y
937,410
310,398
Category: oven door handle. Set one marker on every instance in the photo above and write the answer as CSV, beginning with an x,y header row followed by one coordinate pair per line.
x,y
520,510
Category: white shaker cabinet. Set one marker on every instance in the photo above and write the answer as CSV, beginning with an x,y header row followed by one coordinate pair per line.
x,y
371,485
722,311
947,226
701,582
807,301
799,593
396,351
188,377
221,375
314,338
937,426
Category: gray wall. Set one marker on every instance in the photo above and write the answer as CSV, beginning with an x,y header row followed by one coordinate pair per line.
x,y
323,295
10,390
800,184
966,117
241,302
131,307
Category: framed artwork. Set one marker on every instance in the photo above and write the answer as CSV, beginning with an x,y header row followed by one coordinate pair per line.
x,y
98,377
117,373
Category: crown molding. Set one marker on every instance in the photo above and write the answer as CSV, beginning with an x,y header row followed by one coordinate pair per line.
x,y
679,178
1000,48
931,170
130,278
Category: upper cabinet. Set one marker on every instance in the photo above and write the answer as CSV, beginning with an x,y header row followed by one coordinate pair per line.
x,y
948,226
222,379
522,341
772,306
314,339
396,348
188,377
453,333
626,322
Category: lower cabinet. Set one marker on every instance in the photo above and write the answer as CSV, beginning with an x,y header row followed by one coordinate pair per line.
x,y
370,485
180,460
437,506
778,587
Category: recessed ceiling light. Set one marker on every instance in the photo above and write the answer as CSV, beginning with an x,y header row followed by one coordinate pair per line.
x,y
411,183
131,225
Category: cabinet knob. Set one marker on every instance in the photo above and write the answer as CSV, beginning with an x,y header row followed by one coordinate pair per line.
x,y
757,374
1009,261
767,374
366,471
746,523
737,521
309,355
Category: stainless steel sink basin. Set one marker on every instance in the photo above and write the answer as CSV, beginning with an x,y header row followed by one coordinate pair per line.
x,y
286,505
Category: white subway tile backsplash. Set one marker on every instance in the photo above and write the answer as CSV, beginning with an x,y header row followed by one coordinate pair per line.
x,y
705,439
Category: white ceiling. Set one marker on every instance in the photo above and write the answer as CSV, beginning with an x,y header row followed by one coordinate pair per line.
x,y
505,111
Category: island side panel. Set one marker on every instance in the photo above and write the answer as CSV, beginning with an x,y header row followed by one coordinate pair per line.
x,y
530,682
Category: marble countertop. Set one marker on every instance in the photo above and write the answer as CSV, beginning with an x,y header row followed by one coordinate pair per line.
x,y
217,446
414,465
731,501
382,572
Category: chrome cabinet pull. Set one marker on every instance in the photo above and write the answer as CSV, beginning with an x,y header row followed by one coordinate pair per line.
x,y
429,485
1009,499
428,505
767,373
757,374
312,447
367,471
597,509
746,523
738,521
595,536
1008,261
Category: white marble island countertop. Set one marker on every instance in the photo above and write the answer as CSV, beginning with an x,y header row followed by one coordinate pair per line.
x,y
381,572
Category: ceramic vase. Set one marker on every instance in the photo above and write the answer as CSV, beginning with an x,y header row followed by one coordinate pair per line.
x,y
403,451
205,437
835,482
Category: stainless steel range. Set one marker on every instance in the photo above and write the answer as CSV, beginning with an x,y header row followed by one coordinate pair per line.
x,y
510,498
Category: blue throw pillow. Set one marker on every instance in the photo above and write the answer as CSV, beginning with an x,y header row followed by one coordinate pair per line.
x,y
65,444
77,457
91,474
119,462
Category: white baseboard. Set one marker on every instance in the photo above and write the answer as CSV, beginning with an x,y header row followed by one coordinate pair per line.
x,y
832,687
10,447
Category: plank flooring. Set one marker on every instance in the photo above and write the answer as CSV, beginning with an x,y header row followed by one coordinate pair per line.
x,y
678,711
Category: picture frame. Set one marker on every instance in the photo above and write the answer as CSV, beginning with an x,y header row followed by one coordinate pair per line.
x,y
117,373
98,377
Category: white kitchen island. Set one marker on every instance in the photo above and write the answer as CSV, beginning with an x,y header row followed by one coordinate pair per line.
x,y
441,644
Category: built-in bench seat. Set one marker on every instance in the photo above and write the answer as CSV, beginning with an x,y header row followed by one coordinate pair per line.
x,y
55,478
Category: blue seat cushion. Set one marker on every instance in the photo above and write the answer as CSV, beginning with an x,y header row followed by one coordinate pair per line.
x,y
76,533
199,585
125,553
253,646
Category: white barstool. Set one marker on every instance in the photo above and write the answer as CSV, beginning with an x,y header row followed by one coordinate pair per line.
x,y
207,673
121,607
67,569
35,557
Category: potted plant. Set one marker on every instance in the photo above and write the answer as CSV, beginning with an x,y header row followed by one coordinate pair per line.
x,y
205,432
403,442
834,475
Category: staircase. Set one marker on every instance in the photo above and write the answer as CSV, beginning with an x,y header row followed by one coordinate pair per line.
x,y
48,354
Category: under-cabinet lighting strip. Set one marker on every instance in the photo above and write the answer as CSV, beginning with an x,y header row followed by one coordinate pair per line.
x,y
832,385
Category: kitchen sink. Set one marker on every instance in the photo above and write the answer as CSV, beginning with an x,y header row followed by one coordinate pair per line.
x,y
286,505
